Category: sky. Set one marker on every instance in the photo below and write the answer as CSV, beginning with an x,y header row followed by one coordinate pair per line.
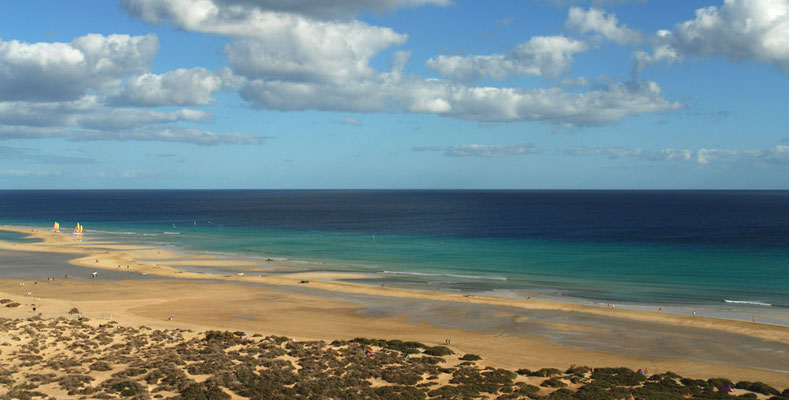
x,y
386,94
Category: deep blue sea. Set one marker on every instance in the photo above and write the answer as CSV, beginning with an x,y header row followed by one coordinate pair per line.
x,y
727,248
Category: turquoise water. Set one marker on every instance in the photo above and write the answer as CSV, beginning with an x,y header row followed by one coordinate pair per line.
x,y
664,274
16,237
727,249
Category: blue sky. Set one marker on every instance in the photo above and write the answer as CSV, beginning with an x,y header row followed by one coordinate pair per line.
x,y
532,94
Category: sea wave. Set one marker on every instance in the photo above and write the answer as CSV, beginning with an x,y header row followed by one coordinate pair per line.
x,y
753,303
171,233
483,277
110,232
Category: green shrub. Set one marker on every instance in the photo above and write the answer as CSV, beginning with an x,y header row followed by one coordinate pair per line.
x,y
618,376
719,383
438,351
471,357
126,388
561,394
545,372
400,392
578,371
758,387
220,336
199,391
554,382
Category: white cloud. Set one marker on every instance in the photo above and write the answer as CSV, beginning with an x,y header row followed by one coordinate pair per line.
x,y
595,20
14,153
554,105
481,150
288,61
738,30
600,3
661,52
352,121
574,82
89,112
178,87
426,148
490,150
69,90
491,104
278,45
548,56
704,156
320,9
65,71
622,152
89,119
165,133
28,173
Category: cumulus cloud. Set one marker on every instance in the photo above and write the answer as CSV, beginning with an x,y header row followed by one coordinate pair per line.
x,y
73,90
704,156
183,87
596,21
277,45
289,61
89,119
738,30
65,71
548,56
490,104
89,112
319,9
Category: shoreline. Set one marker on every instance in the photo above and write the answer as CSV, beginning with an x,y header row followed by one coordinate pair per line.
x,y
246,300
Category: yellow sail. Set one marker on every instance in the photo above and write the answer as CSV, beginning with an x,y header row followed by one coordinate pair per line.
x,y
56,227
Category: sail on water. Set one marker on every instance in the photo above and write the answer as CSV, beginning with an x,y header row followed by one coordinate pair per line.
x,y
78,229
56,227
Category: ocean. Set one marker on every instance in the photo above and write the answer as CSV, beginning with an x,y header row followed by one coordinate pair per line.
x,y
714,249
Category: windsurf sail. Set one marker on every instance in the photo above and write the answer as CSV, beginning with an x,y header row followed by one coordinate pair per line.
x,y
56,227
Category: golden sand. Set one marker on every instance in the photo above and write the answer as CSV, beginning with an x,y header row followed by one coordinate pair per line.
x,y
225,305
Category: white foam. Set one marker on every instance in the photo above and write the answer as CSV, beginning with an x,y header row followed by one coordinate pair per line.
x,y
753,303
483,277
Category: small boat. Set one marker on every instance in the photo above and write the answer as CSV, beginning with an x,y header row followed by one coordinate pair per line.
x,y
56,227
78,230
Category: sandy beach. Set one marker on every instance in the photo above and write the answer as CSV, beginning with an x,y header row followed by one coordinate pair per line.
x,y
319,306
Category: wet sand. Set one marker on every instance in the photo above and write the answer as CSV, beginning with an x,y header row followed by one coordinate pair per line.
x,y
509,333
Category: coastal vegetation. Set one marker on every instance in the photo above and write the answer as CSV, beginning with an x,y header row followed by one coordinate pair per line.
x,y
70,358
